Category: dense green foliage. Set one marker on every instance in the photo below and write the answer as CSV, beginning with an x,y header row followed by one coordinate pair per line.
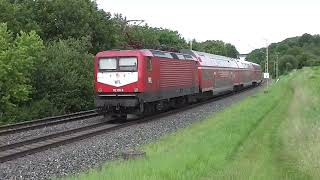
x,y
216,47
47,48
19,57
292,53
154,38
267,136
66,77
61,19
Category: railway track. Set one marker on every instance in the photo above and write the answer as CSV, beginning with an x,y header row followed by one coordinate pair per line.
x,y
45,122
31,146
20,149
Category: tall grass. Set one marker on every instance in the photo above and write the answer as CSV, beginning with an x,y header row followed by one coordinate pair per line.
x,y
301,131
267,136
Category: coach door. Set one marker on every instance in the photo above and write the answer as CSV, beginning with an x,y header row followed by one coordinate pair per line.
x,y
207,80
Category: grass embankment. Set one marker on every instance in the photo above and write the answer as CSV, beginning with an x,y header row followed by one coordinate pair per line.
x,y
266,136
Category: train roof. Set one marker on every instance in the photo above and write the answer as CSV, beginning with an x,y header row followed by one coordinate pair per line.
x,y
207,59
150,52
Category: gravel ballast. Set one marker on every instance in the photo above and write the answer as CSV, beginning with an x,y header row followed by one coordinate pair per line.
x,y
93,152
22,136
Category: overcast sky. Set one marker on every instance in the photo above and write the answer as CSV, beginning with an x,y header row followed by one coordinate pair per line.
x,y
247,24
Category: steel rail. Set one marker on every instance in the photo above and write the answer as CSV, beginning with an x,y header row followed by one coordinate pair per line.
x,y
50,121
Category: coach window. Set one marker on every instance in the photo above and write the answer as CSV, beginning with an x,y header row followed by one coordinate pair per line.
x,y
149,64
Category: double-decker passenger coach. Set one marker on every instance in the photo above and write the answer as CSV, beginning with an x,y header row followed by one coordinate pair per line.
x,y
220,74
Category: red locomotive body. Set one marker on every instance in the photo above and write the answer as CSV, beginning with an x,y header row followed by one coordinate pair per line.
x,y
145,81
138,81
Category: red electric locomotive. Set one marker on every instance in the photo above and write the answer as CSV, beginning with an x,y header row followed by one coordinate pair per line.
x,y
143,81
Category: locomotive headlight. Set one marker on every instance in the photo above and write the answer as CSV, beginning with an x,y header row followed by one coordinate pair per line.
x,y
100,90
135,89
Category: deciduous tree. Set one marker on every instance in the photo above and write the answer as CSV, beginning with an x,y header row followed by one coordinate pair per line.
x,y
18,57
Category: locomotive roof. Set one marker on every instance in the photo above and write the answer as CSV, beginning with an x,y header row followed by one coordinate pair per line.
x,y
150,52
167,54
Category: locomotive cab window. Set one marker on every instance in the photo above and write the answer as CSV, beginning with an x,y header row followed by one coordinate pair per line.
x,y
128,64
107,64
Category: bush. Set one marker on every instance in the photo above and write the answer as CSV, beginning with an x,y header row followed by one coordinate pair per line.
x,y
66,76
18,59
287,63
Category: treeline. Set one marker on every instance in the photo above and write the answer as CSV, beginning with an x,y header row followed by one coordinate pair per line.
x,y
292,53
47,49
216,47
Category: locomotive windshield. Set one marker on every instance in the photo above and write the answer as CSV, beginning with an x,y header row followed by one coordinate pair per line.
x,y
124,64
108,64
128,64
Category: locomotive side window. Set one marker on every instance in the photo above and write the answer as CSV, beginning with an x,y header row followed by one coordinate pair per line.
x,y
107,64
128,64
149,64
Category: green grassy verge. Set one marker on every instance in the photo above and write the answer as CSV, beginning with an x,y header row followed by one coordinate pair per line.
x,y
267,136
